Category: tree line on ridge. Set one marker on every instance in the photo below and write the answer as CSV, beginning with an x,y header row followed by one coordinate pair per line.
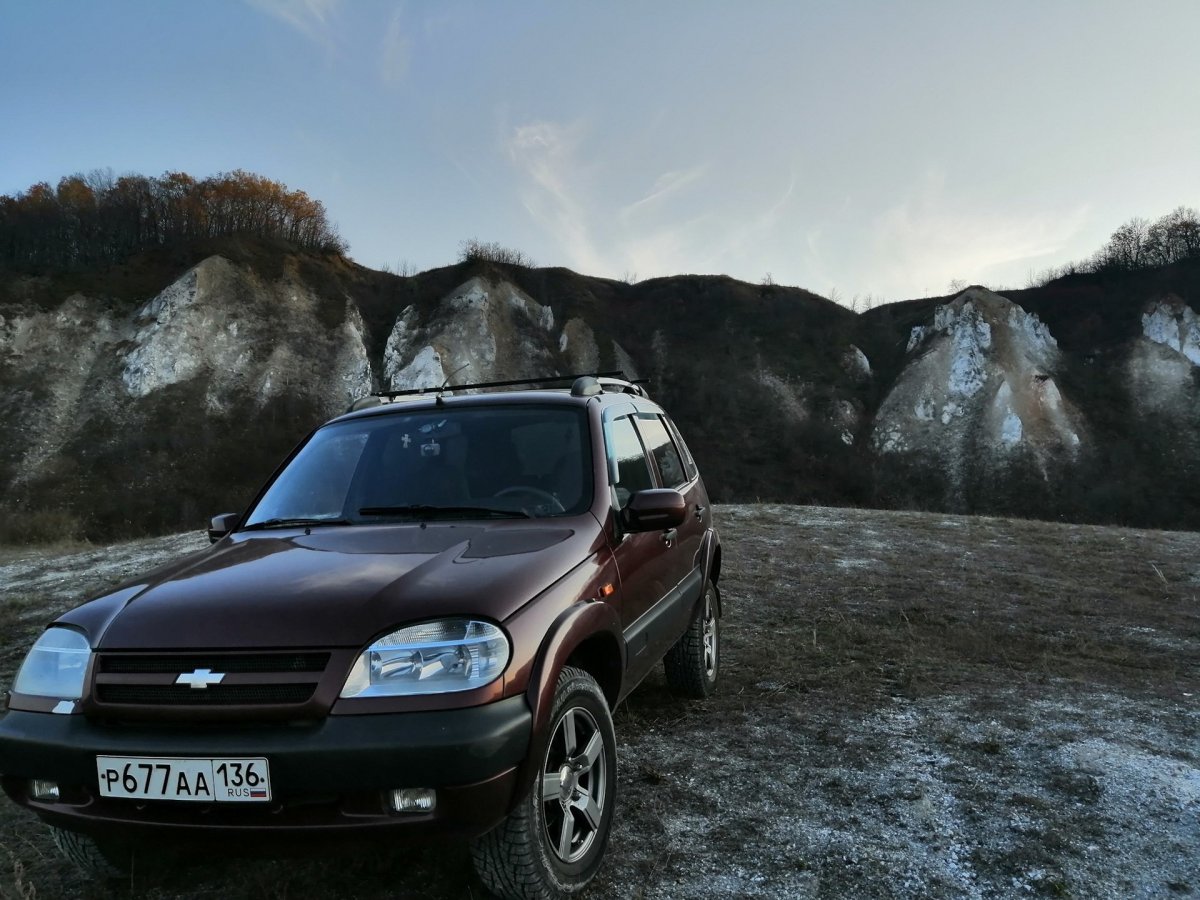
x,y
96,218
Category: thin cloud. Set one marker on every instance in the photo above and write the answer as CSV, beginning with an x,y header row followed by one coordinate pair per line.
x,y
664,186
397,51
561,186
930,239
309,17
666,250
546,154
753,232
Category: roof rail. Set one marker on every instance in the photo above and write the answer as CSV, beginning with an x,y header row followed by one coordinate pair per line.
x,y
609,381
590,386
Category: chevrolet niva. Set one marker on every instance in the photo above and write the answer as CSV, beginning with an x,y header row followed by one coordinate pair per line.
x,y
420,626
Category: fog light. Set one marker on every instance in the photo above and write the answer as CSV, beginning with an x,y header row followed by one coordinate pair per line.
x,y
414,800
43,790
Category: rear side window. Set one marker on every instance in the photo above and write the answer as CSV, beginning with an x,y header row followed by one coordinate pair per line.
x,y
689,464
633,472
663,451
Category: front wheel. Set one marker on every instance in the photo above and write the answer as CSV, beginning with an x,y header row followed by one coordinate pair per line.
x,y
98,859
693,664
552,844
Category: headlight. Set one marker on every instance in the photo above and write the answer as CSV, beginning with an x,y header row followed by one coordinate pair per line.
x,y
432,658
55,666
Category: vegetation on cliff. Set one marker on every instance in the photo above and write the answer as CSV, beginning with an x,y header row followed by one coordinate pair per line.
x,y
94,219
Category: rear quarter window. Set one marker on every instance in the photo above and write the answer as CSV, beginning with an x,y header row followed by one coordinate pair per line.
x,y
689,464
663,451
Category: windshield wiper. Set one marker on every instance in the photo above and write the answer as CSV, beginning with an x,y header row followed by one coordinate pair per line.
x,y
293,523
429,510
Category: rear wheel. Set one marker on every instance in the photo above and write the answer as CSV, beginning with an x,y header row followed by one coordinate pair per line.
x,y
103,860
693,665
552,844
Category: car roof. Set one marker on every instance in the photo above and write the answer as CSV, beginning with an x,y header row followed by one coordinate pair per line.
x,y
602,390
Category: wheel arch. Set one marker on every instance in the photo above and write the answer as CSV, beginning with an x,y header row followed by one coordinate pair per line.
x,y
600,656
711,561
588,636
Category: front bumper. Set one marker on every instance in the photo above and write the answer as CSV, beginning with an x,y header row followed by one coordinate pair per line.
x,y
327,777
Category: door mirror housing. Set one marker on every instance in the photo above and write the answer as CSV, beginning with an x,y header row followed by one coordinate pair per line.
x,y
221,525
656,509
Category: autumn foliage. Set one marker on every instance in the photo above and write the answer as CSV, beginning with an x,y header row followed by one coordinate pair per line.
x,y
98,218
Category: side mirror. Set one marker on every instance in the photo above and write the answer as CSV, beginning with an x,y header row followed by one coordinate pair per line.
x,y
221,525
654,510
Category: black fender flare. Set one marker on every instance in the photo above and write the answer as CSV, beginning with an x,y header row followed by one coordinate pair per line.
x,y
582,622
709,565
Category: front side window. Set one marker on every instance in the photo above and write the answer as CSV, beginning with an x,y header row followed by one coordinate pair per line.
x,y
633,472
472,461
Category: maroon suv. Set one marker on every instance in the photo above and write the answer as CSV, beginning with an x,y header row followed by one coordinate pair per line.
x,y
420,626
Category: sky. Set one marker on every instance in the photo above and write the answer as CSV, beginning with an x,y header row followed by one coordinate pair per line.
x,y
869,151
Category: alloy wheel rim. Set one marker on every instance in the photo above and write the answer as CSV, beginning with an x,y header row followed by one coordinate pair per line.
x,y
574,785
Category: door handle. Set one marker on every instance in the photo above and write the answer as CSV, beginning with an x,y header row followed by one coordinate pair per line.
x,y
669,536
700,511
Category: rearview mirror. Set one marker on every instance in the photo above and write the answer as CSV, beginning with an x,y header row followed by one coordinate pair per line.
x,y
221,525
655,509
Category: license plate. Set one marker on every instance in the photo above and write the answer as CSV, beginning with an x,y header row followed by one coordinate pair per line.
x,y
241,780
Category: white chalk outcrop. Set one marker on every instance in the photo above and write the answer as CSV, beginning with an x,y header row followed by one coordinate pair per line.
x,y
1163,360
241,337
218,336
578,344
855,364
56,354
479,332
979,388
789,397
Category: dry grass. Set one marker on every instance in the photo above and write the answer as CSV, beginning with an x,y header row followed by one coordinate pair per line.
x,y
913,705
10,553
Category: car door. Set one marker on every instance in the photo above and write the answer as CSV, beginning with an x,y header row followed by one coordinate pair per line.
x,y
637,555
653,565
672,472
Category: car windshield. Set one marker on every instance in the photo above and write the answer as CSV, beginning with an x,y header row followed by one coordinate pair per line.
x,y
469,462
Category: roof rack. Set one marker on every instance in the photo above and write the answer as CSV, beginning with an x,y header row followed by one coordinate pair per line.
x,y
590,385
582,385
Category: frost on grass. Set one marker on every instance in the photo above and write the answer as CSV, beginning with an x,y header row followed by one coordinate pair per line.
x,y
75,575
936,798
912,705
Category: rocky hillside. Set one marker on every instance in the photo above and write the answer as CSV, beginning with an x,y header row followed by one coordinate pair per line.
x,y
147,401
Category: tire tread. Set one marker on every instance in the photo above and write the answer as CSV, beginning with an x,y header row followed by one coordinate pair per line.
x,y
89,857
684,662
508,859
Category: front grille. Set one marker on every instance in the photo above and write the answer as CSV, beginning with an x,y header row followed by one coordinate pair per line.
x,y
149,682
214,695
135,664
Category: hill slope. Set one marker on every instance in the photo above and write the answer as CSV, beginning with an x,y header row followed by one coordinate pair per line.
x,y
161,391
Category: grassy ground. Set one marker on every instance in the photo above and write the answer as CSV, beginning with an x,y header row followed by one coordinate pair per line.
x,y
912,705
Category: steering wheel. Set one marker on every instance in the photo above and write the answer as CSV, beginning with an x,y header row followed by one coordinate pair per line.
x,y
530,490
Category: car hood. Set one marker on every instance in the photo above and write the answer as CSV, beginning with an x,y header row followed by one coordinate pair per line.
x,y
336,586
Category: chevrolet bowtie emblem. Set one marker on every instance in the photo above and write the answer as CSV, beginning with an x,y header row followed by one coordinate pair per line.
x,y
201,678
